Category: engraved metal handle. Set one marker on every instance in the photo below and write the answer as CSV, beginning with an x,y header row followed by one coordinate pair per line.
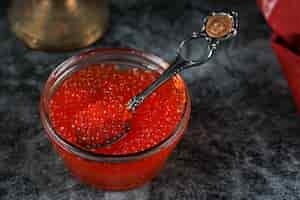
x,y
216,28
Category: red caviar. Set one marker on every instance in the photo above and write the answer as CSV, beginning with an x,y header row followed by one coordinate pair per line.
x,y
88,103
92,100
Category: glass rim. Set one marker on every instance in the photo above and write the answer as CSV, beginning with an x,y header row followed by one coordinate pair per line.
x,y
46,122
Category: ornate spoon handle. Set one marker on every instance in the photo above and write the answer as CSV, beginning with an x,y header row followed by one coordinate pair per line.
x,y
216,28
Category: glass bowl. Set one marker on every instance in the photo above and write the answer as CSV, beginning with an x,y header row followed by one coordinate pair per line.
x,y
107,172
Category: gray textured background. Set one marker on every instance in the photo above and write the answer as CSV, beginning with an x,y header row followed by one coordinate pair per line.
x,y
243,140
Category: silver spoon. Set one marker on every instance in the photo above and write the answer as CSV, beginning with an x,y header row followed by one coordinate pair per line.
x,y
216,28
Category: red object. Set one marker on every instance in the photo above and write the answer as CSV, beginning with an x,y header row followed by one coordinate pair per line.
x,y
157,126
283,16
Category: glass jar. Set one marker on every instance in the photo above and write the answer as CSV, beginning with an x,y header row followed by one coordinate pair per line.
x,y
104,171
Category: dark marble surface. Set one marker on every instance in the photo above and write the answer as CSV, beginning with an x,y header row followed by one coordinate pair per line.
x,y
243,139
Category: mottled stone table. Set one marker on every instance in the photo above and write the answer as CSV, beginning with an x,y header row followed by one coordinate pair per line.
x,y
243,140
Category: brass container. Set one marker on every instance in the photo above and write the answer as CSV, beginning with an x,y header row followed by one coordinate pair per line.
x,y
58,25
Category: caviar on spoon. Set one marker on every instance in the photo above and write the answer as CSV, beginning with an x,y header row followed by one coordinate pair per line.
x,y
216,28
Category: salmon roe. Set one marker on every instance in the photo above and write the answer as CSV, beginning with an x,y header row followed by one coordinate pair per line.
x,y
91,101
